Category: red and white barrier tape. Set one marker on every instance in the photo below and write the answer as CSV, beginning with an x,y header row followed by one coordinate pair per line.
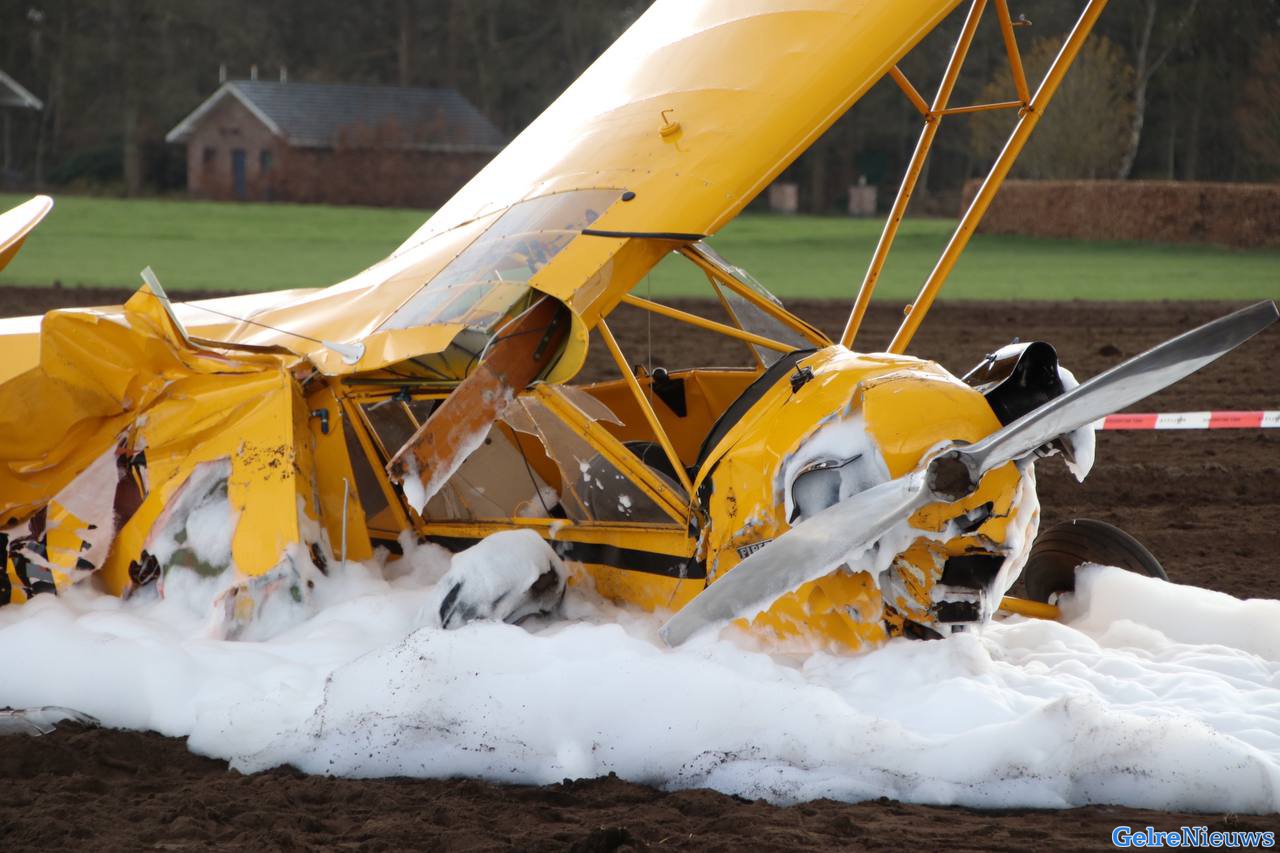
x,y
1192,420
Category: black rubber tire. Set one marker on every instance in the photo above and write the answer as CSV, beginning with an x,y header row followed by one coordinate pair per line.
x,y
1060,550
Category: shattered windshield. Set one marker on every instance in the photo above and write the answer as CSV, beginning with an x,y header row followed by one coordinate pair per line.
x,y
532,464
591,487
489,279
747,315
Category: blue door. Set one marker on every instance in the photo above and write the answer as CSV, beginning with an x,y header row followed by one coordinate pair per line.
x,y
237,173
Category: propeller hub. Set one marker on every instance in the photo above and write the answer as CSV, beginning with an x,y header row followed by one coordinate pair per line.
x,y
951,476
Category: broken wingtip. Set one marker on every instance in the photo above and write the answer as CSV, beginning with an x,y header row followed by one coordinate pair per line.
x,y
350,353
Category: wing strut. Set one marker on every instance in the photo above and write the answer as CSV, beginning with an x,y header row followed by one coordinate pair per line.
x,y
1030,109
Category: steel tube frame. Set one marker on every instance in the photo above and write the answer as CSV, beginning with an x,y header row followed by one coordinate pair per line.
x,y
1011,48
703,323
980,108
1029,117
932,119
913,95
645,407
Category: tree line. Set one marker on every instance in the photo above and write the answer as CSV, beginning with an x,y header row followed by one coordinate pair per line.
x,y
1167,89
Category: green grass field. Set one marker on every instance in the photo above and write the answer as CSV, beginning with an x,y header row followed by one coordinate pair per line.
x,y
209,245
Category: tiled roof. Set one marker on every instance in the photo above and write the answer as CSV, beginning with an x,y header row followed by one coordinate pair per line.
x,y
318,115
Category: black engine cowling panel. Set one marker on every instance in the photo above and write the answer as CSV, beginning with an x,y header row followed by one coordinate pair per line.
x,y
1018,378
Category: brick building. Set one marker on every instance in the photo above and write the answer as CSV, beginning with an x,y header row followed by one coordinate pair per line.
x,y
335,144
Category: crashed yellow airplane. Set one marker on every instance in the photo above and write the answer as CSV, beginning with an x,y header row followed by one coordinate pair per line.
x,y
828,495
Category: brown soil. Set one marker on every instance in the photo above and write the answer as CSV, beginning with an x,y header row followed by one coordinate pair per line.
x,y
1226,214
1204,502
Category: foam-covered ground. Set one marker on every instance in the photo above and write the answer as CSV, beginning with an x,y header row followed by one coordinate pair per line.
x,y
1170,704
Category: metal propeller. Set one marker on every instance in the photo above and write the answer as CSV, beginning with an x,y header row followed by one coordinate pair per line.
x,y
817,545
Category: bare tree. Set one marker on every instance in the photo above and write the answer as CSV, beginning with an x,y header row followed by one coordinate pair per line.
x,y
406,43
1085,128
1258,115
1145,65
122,40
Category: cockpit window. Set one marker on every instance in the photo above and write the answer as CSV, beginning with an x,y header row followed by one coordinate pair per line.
x,y
592,487
532,464
489,279
749,317
496,482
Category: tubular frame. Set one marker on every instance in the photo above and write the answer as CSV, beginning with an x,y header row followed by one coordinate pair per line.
x,y
932,118
645,406
703,323
1030,109
1029,117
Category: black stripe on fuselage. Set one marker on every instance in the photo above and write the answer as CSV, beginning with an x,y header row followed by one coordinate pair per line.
x,y
626,559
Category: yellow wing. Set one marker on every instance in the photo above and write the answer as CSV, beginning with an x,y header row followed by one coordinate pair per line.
x,y
17,223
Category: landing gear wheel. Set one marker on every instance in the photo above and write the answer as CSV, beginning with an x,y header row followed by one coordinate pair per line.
x,y
1060,550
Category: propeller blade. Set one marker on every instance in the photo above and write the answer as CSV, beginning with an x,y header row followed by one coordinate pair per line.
x,y
817,545
806,552
1108,392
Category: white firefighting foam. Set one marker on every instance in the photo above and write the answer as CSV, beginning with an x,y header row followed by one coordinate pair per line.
x,y
1154,695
